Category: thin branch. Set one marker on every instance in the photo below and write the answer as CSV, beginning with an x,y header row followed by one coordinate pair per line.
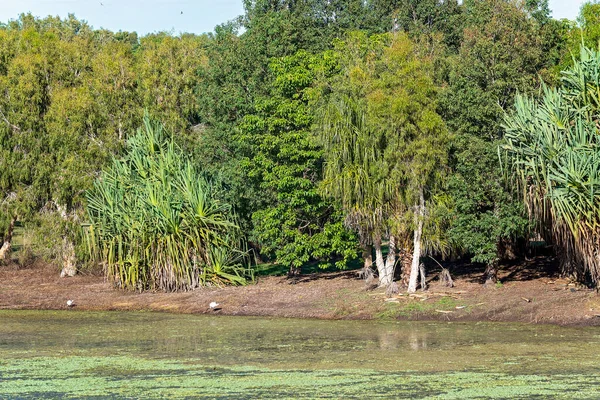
x,y
14,127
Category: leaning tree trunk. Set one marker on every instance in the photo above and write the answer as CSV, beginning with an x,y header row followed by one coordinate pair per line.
x,y
7,245
414,268
384,278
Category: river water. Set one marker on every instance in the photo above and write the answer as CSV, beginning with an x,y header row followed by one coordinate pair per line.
x,y
70,354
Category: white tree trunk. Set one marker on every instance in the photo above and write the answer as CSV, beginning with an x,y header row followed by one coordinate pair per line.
x,y
5,250
384,279
414,268
7,245
67,252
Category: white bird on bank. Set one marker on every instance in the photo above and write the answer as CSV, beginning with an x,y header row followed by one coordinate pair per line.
x,y
213,305
70,303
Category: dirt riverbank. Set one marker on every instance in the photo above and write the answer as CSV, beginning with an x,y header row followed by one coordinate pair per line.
x,y
524,295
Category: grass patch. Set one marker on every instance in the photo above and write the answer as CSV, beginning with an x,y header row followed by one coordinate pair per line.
x,y
315,267
413,308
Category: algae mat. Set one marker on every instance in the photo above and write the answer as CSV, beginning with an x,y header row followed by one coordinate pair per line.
x,y
68,354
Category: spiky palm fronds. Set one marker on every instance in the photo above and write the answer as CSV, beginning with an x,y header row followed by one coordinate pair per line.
x,y
354,167
554,147
155,222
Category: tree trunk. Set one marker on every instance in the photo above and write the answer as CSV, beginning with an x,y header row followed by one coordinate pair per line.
x,y
7,245
423,276
384,279
367,271
414,268
491,273
406,260
390,262
68,259
368,256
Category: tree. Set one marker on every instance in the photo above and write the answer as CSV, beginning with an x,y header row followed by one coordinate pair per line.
x,y
553,145
235,91
167,71
282,163
384,141
500,55
589,22
156,223
67,98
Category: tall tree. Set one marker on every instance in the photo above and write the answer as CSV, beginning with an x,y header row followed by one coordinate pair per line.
x,y
68,94
282,162
500,55
384,140
554,149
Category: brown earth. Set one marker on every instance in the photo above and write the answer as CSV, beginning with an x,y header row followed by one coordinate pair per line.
x,y
525,295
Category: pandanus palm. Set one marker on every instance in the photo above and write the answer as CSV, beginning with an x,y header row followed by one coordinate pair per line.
x,y
352,175
554,147
155,222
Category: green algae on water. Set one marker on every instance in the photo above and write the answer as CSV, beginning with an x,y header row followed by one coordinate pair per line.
x,y
131,355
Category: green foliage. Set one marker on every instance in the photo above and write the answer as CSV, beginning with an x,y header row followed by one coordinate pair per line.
x,y
244,102
484,213
554,149
155,221
384,140
589,22
500,56
248,94
284,162
68,96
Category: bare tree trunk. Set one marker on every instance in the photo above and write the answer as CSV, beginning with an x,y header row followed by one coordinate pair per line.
x,y
383,277
491,273
423,277
367,271
368,256
446,278
68,259
391,258
67,251
414,268
7,245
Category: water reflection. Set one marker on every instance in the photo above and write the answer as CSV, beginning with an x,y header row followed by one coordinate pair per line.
x,y
288,343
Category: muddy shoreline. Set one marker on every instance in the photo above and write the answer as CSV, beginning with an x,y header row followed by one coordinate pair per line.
x,y
521,297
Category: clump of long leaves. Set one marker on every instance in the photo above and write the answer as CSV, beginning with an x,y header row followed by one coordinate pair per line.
x,y
156,224
554,147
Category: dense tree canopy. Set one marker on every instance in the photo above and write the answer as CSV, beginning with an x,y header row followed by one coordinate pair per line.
x,y
330,127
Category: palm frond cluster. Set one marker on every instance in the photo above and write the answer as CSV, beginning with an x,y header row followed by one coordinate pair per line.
x,y
554,147
155,221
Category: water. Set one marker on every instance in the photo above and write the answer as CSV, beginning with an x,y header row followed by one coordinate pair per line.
x,y
68,354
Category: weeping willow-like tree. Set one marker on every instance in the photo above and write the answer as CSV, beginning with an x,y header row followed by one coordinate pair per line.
x,y
156,224
354,175
553,145
385,145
